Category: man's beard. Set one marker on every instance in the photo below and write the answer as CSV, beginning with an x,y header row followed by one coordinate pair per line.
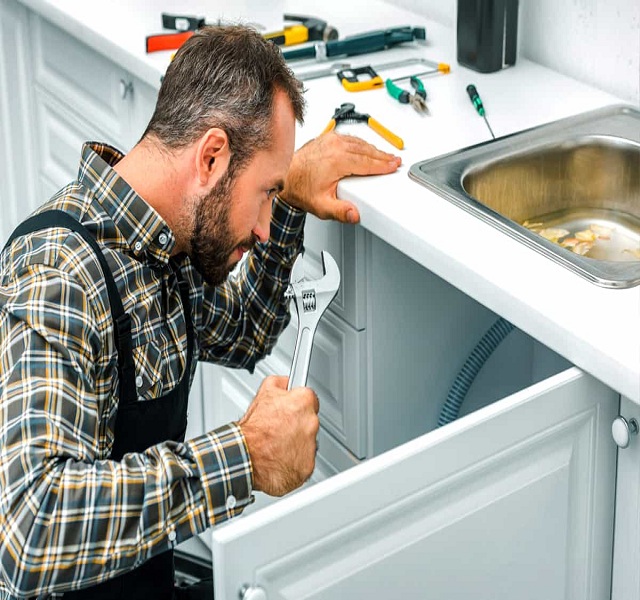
x,y
212,240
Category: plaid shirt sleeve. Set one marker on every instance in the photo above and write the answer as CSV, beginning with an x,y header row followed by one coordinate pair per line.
x,y
243,318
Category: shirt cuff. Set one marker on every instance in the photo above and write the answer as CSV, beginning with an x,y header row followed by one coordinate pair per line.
x,y
225,472
287,227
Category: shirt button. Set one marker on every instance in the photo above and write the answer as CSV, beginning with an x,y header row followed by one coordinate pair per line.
x,y
172,536
138,246
139,381
163,238
231,502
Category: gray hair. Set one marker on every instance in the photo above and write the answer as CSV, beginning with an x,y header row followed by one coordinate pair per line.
x,y
225,77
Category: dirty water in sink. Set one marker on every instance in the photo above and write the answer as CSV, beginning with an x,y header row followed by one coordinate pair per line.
x,y
593,233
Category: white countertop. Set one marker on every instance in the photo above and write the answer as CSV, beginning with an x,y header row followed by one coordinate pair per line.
x,y
597,329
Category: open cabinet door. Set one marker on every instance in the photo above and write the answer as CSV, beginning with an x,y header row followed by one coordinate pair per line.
x,y
514,501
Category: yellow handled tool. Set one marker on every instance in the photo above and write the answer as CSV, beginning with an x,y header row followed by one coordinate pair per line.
x,y
306,29
359,79
346,113
296,34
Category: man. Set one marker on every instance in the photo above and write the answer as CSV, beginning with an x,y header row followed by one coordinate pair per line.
x,y
101,326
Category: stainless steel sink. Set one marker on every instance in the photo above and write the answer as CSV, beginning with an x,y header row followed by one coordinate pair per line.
x,y
570,190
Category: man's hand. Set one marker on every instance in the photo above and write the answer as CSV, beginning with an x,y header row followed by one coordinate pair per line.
x,y
320,164
280,429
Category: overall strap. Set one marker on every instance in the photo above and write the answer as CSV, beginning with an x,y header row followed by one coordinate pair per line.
x,y
183,286
121,320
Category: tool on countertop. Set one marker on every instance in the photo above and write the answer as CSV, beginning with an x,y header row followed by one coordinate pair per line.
x,y
414,60
371,41
311,299
306,29
418,99
346,113
352,79
477,104
324,72
184,26
442,68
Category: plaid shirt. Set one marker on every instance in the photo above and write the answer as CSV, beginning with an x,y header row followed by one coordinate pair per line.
x,y
69,516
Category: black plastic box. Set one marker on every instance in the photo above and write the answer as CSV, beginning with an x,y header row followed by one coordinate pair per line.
x,y
487,34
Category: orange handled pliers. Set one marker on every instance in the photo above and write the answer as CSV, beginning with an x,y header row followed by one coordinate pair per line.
x,y
346,113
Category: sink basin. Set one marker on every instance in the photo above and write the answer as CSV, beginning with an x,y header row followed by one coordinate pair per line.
x,y
569,190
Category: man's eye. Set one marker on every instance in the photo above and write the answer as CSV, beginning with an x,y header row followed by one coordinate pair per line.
x,y
271,194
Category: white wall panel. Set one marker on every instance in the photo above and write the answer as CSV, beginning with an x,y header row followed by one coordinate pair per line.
x,y
595,41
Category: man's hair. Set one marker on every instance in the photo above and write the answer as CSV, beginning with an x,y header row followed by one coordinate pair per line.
x,y
225,77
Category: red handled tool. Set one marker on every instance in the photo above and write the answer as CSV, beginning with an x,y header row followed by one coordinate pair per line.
x,y
306,29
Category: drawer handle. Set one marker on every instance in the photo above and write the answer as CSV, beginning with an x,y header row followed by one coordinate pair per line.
x,y
622,430
126,89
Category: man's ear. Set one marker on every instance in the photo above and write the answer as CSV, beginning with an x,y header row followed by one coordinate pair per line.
x,y
212,156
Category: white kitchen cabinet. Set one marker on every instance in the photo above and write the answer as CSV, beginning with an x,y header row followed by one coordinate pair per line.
x,y
62,93
626,555
513,501
80,95
17,164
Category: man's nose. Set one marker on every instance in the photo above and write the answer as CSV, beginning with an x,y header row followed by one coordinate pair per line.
x,y
263,226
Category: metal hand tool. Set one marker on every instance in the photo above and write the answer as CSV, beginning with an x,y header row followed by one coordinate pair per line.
x,y
346,113
477,104
417,60
324,72
371,41
414,60
311,299
418,99
310,29
359,79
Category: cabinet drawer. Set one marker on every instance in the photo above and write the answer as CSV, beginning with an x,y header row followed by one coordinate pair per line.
x,y
86,81
337,374
346,243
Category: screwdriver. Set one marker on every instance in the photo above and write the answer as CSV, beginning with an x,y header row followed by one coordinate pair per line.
x,y
477,104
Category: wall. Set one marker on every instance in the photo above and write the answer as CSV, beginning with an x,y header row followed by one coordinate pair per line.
x,y
595,41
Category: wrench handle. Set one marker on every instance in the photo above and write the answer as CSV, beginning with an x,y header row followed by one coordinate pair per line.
x,y
301,357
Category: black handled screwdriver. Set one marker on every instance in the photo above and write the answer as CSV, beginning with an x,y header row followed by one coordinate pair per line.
x,y
477,104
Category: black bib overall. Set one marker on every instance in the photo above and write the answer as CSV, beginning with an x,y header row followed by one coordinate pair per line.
x,y
139,425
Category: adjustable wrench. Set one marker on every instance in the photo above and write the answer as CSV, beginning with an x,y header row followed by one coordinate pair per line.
x,y
311,299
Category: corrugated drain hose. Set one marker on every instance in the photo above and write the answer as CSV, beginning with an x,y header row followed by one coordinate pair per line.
x,y
483,350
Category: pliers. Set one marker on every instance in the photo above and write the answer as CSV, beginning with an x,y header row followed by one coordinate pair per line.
x,y
418,99
346,113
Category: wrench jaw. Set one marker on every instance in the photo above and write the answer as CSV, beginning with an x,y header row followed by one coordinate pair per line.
x,y
296,275
297,271
311,299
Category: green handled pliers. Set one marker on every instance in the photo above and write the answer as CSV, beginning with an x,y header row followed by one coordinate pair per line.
x,y
418,99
